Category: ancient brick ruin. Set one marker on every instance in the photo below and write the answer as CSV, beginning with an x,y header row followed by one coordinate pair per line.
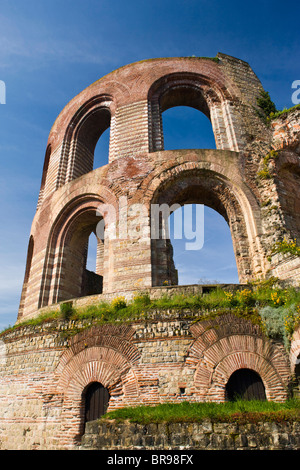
x,y
163,359
260,212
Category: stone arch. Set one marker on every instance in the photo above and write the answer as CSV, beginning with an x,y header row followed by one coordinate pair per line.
x,y
201,179
73,156
82,135
99,354
64,270
227,344
199,92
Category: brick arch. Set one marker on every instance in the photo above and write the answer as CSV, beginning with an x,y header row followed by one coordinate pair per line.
x,y
82,134
67,243
220,187
100,354
227,344
43,188
199,91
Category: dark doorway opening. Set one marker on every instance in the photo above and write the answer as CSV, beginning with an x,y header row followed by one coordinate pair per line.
x,y
245,384
96,401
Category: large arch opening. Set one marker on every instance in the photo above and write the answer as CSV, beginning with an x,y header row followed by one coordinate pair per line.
x,y
193,91
66,275
245,384
88,139
185,127
212,261
79,281
92,278
199,188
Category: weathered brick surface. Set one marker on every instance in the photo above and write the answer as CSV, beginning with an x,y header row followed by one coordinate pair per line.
x,y
130,101
45,374
167,359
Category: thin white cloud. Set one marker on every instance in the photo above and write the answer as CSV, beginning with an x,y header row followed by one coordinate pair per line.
x,y
17,44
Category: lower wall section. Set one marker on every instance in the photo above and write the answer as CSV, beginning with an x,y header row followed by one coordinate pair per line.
x,y
101,435
46,372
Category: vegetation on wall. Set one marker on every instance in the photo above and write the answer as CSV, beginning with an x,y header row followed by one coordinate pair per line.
x,y
275,310
266,107
285,111
264,172
239,411
286,246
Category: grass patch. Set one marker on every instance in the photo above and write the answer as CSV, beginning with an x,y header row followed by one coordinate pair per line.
x,y
237,411
275,310
276,114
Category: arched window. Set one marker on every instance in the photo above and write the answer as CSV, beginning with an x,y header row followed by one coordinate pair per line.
x,y
185,90
83,143
203,251
187,128
96,400
245,384
221,231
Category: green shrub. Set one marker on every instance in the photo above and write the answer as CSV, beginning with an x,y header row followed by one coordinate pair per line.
x,y
66,310
280,322
118,303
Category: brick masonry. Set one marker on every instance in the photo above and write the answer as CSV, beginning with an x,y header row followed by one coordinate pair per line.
x,y
130,101
167,358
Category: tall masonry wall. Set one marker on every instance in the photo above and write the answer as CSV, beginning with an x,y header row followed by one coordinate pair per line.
x,y
168,357
251,179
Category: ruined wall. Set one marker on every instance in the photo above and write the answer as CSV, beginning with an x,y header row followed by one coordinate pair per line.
x,y
130,102
167,358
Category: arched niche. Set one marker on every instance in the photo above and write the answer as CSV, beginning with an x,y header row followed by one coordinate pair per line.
x,y
196,91
196,187
245,384
65,274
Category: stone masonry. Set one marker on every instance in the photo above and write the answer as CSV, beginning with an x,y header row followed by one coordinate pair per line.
x,y
169,357
75,197
251,179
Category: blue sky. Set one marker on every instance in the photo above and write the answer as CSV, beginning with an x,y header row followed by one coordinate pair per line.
x,y
52,50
